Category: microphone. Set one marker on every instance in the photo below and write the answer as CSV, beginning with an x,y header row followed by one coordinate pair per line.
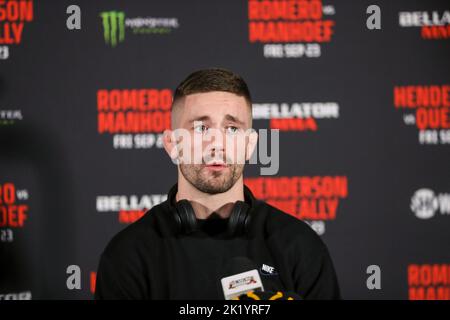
x,y
241,277
242,282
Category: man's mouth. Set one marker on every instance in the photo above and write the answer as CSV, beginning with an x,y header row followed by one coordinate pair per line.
x,y
216,165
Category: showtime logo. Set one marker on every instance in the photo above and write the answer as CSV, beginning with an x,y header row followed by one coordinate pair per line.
x,y
433,25
136,118
429,281
13,16
314,199
430,105
130,208
290,29
296,116
425,203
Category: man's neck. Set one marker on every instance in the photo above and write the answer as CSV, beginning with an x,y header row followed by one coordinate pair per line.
x,y
204,204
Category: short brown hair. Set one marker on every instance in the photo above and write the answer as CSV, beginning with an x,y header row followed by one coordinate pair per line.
x,y
213,79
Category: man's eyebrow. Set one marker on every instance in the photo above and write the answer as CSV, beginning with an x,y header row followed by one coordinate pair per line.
x,y
231,118
200,118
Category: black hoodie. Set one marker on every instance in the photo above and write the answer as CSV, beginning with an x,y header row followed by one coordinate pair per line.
x,y
150,260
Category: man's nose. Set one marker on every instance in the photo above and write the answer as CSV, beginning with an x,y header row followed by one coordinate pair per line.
x,y
216,141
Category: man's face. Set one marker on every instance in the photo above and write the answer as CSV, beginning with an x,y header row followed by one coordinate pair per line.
x,y
214,152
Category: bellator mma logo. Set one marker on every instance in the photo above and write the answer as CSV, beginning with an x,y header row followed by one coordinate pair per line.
x,y
290,28
314,199
295,116
13,213
130,208
430,105
135,117
13,15
433,25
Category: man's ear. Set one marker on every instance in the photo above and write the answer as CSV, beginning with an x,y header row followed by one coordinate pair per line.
x,y
170,144
252,142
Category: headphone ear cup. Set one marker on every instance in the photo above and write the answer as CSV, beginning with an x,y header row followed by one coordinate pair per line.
x,y
239,219
185,217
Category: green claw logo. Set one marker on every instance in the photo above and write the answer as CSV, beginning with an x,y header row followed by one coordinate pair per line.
x,y
113,27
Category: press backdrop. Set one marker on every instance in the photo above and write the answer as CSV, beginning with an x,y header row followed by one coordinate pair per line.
x,y
363,117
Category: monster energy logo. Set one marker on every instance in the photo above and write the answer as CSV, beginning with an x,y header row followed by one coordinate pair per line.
x,y
113,27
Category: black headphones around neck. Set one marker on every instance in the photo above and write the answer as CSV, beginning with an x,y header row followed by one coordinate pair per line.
x,y
186,221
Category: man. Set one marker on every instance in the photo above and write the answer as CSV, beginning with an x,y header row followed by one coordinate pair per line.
x,y
181,247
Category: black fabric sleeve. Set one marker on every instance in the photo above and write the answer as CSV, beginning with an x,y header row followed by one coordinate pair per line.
x,y
315,276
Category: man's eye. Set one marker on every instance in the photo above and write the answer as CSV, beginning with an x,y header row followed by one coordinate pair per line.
x,y
232,129
200,129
